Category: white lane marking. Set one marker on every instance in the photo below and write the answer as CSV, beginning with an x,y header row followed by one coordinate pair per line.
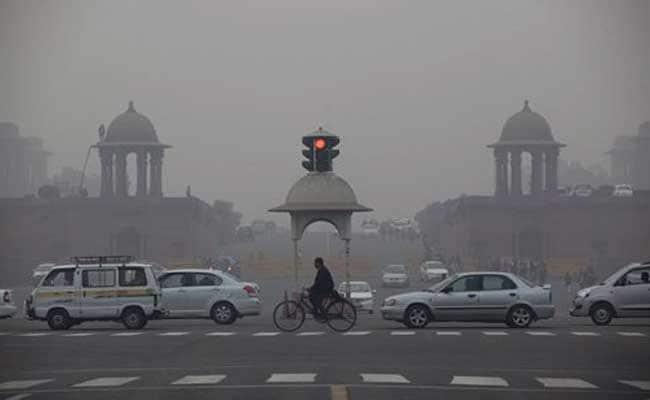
x,y
540,333
266,334
643,385
19,396
220,334
128,334
291,378
356,333
173,334
585,334
384,378
479,381
80,334
35,334
402,333
495,333
5,333
23,384
572,383
199,380
310,333
448,333
636,334
106,382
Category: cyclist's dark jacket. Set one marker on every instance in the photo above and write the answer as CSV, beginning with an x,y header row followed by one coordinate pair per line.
x,y
323,282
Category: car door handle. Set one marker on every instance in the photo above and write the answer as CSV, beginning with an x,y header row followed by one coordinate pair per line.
x,y
471,295
513,294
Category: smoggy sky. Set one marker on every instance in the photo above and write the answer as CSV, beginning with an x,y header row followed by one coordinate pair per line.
x,y
416,89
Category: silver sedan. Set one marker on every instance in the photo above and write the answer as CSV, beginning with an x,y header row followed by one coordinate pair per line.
x,y
473,297
199,293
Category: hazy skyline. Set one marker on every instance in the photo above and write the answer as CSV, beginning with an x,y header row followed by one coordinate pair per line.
x,y
415,89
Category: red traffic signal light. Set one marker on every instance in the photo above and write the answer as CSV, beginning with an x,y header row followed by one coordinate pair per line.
x,y
320,144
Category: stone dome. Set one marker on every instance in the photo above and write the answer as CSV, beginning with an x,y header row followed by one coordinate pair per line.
x,y
526,126
131,127
321,191
644,130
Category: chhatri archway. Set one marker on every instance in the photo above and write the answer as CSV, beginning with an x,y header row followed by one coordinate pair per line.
x,y
321,195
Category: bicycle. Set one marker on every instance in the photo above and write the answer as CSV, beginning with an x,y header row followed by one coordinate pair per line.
x,y
340,314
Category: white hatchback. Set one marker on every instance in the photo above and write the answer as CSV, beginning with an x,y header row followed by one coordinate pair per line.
x,y
201,293
361,295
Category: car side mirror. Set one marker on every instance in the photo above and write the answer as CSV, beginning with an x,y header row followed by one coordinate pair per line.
x,y
446,290
374,291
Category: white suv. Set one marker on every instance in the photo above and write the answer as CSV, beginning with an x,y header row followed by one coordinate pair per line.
x,y
112,288
625,294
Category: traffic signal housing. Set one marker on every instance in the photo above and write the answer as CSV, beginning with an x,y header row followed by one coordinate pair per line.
x,y
320,151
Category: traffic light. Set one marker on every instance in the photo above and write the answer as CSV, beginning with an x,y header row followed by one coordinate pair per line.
x,y
320,151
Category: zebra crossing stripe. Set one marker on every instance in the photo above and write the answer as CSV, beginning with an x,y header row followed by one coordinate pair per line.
x,y
479,381
23,384
356,333
643,385
448,333
402,333
128,334
107,382
81,334
35,334
173,334
292,378
220,334
199,380
384,378
566,383
264,334
310,333
585,334
495,333
540,333
636,334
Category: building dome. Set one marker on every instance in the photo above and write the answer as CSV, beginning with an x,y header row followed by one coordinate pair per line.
x,y
644,130
131,127
321,191
526,126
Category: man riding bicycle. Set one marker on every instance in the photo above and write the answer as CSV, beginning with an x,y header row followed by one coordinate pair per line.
x,y
322,288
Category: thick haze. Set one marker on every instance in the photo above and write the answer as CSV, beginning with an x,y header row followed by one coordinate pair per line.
x,y
415,89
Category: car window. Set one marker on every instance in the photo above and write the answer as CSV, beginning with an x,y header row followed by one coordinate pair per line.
x,y
497,282
60,277
132,276
395,269
639,276
94,278
171,281
466,284
207,280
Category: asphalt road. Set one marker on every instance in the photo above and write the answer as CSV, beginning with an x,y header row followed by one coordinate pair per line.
x,y
561,358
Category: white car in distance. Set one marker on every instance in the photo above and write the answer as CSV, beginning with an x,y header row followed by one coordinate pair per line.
x,y
433,271
623,191
395,275
361,295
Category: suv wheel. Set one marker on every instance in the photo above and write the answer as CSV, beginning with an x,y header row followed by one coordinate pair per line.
x,y
519,317
601,314
417,316
59,320
224,313
134,318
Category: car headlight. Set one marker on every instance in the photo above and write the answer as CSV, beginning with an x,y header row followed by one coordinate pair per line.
x,y
390,302
584,293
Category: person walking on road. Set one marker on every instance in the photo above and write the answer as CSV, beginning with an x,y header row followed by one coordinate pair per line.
x,y
322,288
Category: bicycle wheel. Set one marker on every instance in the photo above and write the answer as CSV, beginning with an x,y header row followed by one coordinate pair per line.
x,y
341,315
288,316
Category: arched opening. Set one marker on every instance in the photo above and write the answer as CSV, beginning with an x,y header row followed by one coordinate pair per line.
x,y
128,242
131,174
321,239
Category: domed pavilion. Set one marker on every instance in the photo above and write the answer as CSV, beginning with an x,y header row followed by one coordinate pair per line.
x,y
130,132
526,132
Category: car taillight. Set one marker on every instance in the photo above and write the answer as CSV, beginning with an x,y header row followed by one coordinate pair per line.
x,y
6,297
250,290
